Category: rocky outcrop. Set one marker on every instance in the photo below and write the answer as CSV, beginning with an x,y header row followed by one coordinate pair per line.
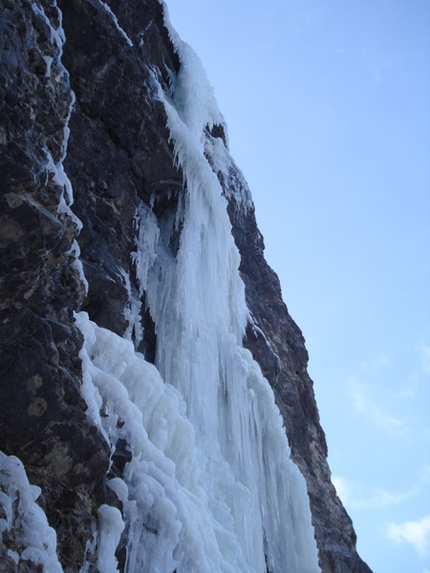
x,y
99,85
42,418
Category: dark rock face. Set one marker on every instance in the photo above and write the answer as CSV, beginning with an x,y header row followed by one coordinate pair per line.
x,y
119,123
118,155
42,419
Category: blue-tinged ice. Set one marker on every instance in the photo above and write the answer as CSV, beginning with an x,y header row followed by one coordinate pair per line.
x,y
210,485
23,525
167,518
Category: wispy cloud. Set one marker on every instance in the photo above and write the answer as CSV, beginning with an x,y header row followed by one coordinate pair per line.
x,y
425,359
365,404
417,378
417,533
425,474
356,496
376,363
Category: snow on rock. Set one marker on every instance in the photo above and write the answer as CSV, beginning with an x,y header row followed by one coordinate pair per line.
x,y
24,528
116,23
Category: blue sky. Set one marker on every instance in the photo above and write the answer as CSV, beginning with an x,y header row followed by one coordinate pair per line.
x,y
328,108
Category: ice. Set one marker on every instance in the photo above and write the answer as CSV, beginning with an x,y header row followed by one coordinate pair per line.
x,y
66,200
132,311
48,61
146,242
57,40
111,527
55,168
198,305
13,555
56,34
25,529
168,521
191,91
208,484
115,20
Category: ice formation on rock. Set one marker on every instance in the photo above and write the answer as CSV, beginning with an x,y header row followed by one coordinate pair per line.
x,y
209,484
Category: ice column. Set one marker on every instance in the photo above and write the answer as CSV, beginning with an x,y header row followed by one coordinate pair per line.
x,y
198,305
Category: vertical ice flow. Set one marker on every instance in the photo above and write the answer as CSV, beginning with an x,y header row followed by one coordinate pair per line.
x,y
198,305
209,486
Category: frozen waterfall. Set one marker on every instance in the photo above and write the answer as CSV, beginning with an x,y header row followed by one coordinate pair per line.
x,y
206,484
209,485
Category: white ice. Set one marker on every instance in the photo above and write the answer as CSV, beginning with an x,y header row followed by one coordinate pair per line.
x,y
210,485
115,21
111,526
25,522
132,311
199,340
55,168
168,521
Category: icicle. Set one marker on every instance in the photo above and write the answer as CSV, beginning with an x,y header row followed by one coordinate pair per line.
x,y
146,242
111,527
132,311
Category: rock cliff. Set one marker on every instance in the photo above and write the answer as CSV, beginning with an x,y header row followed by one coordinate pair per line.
x,y
81,120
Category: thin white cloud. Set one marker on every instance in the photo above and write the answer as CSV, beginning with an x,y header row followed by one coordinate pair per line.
x,y
355,496
425,359
410,390
415,380
376,364
364,404
343,488
425,474
417,533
